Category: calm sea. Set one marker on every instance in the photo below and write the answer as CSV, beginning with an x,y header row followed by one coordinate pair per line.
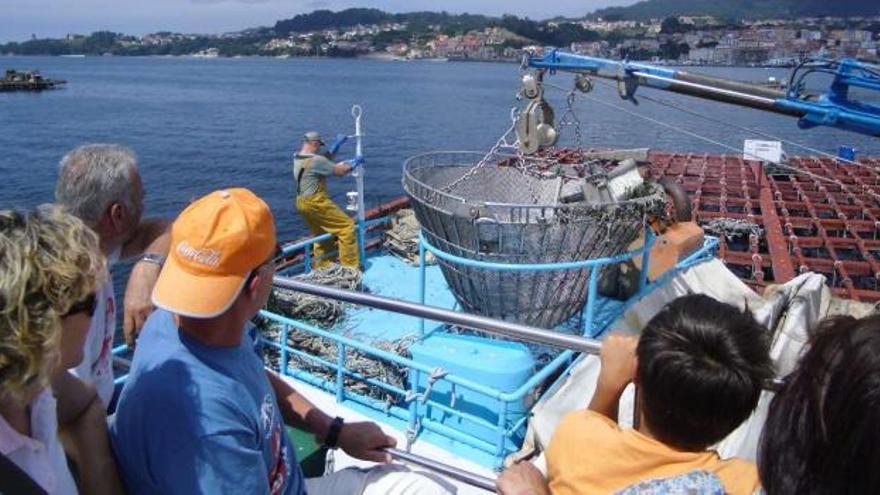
x,y
202,124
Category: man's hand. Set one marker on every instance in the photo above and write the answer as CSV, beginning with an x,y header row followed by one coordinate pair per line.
x,y
365,441
138,299
522,479
340,140
356,161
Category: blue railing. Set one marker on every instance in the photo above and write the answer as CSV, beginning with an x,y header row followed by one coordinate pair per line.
x,y
414,403
306,245
591,264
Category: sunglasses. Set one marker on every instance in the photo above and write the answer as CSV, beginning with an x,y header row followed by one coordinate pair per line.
x,y
277,257
86,306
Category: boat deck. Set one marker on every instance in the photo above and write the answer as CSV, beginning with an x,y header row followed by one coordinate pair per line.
x,y
389,276
462,391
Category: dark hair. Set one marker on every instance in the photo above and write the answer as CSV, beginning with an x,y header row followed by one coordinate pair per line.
x,y
823,427
702,364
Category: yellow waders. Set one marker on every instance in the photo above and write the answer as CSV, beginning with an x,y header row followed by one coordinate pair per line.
x,y
322,215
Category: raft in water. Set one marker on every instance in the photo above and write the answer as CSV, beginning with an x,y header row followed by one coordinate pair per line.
x,y
27,81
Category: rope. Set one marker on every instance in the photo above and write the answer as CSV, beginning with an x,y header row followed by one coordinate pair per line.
x,y
328,313
402,238
311,308
355,362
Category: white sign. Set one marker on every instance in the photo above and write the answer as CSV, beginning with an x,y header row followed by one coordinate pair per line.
x,y
768,151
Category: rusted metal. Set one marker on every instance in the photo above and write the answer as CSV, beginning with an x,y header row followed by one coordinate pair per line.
x,y
808,224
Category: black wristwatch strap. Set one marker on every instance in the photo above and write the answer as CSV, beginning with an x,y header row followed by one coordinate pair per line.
x,y
332,437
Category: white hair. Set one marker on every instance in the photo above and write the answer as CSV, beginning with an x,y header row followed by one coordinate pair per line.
x,y
94,176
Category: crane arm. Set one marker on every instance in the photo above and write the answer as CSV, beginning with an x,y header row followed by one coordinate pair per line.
x,y
834,108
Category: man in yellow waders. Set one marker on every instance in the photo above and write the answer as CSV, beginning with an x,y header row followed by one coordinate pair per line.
x,y
310,170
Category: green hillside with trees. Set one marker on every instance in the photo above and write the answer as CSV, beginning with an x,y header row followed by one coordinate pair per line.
x,y
741,9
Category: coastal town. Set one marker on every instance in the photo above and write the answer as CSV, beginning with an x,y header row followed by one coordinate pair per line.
x,y
683,40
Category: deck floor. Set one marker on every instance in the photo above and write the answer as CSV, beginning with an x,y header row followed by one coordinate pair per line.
x,y
389,276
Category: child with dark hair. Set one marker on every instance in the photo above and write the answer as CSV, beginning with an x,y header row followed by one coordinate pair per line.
x,y
822,433
699,366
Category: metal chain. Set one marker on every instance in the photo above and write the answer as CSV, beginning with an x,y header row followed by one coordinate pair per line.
x,y
501,143
521,166
570,119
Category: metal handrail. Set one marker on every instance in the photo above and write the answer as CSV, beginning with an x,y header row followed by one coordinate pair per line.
x,y
474,322
445,469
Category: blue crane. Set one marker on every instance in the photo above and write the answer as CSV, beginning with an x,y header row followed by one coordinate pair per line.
x,y
834,108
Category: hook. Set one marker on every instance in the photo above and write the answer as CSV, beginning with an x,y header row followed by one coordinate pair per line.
x,y
514,115
356,111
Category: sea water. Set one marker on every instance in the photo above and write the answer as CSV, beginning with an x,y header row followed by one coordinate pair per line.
x,y
203,124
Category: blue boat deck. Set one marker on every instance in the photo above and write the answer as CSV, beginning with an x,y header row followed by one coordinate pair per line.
x,y
468,393
389,276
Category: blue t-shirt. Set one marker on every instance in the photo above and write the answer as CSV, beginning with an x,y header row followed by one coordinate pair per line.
x,y
200,419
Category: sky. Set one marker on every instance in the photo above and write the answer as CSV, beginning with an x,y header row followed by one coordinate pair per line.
x,y
19,19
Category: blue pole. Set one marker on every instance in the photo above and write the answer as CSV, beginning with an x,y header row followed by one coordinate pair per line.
x,y
285,332
415,375
592,294
362,246
340,373
422,274
646,263
502,432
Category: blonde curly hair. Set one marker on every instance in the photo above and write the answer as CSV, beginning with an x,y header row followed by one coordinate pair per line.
x,y
49,260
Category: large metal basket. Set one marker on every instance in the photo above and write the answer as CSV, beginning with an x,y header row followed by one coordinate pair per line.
x,y
501,214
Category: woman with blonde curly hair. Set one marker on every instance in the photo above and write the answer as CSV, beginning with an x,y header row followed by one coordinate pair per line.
x,y
50,266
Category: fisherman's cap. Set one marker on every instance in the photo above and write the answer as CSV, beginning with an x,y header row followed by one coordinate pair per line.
x,y
215,244
313,136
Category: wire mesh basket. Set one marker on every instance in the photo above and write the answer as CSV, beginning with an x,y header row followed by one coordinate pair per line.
x,y
488,209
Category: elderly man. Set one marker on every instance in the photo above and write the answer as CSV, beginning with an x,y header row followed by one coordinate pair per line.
x,y
101,184
200,413
310,170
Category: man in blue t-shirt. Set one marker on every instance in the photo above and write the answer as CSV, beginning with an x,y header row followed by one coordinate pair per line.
x,y
199,412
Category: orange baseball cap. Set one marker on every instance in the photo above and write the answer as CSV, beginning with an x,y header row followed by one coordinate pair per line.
x,y
215,244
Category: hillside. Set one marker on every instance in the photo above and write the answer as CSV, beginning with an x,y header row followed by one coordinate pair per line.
x,y
327,19
741,9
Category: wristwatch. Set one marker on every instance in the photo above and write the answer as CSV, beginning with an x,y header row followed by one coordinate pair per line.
x,y
156,259
332,438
